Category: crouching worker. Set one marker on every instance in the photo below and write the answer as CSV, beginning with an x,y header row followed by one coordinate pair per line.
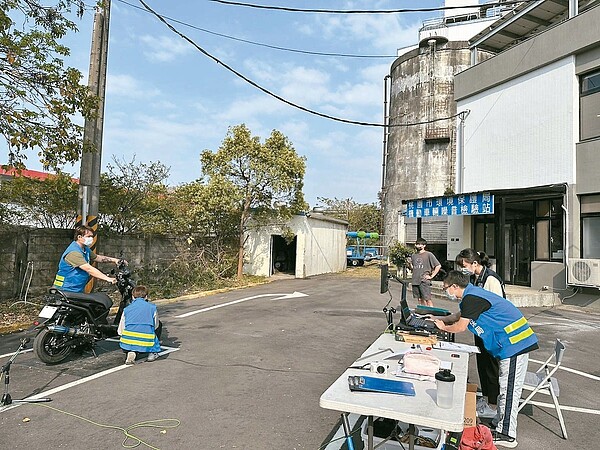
x,y
139,327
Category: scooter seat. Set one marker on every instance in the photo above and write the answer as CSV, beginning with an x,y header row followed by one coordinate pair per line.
x,y
96,297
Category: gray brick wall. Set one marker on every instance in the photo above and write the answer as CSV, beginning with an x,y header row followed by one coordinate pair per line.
x,y
40,250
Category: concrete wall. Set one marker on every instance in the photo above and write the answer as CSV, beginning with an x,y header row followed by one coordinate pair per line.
x,y
522,133
422,89
41,249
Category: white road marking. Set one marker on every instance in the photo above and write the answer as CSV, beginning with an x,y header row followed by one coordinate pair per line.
x,y
233,302
44,394
568,369
566,408
6,355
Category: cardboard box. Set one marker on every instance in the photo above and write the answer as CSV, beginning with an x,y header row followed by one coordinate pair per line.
x,y
470,402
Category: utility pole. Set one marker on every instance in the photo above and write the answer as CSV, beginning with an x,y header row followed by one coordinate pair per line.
x,y
89,175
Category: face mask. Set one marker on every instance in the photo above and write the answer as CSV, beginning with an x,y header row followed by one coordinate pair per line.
x,y
466,271
451,297
88,240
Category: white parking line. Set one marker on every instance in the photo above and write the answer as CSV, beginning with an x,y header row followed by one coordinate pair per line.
x,y
44,394
6,355
568,369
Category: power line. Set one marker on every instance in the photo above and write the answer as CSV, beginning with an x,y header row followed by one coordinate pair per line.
x,y
275,47
278,97
366,11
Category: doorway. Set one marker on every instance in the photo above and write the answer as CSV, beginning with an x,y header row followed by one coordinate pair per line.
x,y
283,255
518,242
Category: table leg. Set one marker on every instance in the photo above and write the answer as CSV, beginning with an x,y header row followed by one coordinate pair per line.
x,y
370,433
346,425
411,437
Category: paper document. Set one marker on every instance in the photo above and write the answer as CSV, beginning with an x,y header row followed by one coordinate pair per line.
x,y
456,347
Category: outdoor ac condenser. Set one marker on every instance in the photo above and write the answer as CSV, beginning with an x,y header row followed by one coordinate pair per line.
x,y
584,272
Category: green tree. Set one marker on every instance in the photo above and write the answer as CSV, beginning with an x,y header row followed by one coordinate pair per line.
x,y
265,180
40,97
134,197
207,209
48,203
360,216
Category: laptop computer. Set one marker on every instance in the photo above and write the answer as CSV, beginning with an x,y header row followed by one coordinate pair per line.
x,y
408,318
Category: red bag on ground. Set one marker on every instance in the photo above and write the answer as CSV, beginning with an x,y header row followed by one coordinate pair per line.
x,y
477,438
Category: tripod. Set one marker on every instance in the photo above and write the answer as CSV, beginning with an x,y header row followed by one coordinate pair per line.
x,y
5,371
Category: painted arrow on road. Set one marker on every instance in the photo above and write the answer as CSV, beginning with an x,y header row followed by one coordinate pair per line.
x,y
233,302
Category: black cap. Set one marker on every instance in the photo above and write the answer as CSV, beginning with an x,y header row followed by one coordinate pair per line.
x,y
445,375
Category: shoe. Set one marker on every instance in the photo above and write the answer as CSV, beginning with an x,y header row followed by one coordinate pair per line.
x,y
130,358
503,440
484,411
152,357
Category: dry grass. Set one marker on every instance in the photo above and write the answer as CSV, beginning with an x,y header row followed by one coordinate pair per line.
x,y
17,316
369,270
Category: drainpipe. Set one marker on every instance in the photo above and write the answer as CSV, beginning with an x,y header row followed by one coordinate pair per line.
x,y
386,118
386,132
460,148
565,207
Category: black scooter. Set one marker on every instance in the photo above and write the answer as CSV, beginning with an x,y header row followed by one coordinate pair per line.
x,y
75,321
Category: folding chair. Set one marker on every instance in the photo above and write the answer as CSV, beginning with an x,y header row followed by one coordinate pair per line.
x,y
543,382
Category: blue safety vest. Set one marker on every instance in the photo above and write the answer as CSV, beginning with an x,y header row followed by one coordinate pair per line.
x,y
504,330
69,278
138,334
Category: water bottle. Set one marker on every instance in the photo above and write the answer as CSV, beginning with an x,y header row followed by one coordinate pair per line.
x,y
445,388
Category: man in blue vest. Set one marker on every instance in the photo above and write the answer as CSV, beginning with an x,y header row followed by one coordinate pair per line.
x,y
140,328
506,335
75,265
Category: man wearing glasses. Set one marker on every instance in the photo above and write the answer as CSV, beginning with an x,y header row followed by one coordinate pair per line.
x,y
506,334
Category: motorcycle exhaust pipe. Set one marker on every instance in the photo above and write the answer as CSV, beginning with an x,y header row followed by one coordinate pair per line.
x,y
59,329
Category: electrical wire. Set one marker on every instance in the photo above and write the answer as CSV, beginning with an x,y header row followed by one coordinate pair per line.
x,y
158,423
365,11
260,44
278,97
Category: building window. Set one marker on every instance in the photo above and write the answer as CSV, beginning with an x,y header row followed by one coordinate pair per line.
x,y
549,230
589,105
590,226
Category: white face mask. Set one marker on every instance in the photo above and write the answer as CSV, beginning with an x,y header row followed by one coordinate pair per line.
x,y
88,240
466,271
454,298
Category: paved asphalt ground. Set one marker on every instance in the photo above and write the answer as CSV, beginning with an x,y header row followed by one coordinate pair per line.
x,y
249,375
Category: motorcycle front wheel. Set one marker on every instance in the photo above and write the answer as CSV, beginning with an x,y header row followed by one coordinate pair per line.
x,y
51,348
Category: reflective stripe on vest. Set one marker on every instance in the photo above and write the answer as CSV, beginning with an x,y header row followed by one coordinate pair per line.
x,y
141,339
515,325
59,280
522,335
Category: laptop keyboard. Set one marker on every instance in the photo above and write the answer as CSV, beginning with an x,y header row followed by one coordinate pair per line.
x,y
420,323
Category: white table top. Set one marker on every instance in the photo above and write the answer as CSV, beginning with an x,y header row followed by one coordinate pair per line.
x,y
418,410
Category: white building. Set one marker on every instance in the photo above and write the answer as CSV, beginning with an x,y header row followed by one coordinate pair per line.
x,y
532,139
315,244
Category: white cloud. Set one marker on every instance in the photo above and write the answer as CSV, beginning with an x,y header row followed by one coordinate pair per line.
x,y
164,48
121,85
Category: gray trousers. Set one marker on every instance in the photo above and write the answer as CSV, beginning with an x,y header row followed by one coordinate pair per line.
x,y
512,376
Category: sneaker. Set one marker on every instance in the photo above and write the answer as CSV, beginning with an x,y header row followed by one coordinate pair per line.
x,y
152,357
484,411
503,440
130,358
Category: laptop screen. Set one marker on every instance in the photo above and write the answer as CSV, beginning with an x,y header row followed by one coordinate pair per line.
x,y
404,311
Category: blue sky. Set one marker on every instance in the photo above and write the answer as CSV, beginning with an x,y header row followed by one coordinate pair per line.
x,y
167,102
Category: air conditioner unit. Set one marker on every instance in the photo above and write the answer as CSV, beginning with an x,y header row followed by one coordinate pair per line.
x,y
584,272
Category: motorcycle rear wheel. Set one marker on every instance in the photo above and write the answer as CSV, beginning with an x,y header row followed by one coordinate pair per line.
x,y
51,348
